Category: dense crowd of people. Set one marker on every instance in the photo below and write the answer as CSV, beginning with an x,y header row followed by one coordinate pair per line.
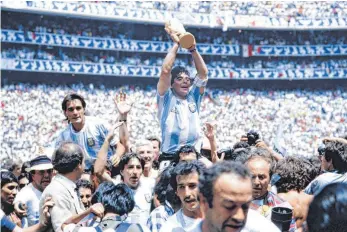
x,y
124,30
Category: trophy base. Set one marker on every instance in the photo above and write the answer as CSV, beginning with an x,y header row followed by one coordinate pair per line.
x,y
187,40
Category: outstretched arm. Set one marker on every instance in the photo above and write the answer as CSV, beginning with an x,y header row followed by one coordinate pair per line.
x,y
200,66
210,134
165,75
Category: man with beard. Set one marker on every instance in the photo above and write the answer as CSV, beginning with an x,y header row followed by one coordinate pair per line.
x,y
225,197
131,169
179,98
40,169
184,180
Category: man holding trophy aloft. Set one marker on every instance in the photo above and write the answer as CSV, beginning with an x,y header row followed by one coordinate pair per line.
x,y
179,95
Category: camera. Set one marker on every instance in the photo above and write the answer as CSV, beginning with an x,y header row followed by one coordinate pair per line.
x,y
252,137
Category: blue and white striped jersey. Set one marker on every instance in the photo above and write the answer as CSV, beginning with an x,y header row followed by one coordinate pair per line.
x,y
179,120
90,138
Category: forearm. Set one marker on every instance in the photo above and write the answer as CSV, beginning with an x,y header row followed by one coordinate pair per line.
x,y
200,65
34,228
124,133
75,219
170,59
101,160
213,145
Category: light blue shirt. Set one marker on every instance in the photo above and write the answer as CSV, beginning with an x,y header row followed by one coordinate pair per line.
x,y
323,180
90,138
179,120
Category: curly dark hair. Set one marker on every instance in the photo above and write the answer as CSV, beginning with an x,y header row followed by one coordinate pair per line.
x,y
184,149
261,153
328,210
316,166
337,152
239,155
67,157
210,176
295,172
185,168
241,144
164,190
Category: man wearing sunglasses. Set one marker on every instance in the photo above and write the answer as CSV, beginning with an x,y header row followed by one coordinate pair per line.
x,y
179,99
28,199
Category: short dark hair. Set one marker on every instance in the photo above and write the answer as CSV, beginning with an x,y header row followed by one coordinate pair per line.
x,y
154,138
81,183
240,155
210,176
295,173
118,199
164,190
184,149
127,157
67,157
328,210
13,164
97,196
71,97
7,177
176,71
337,152
261,153
186,168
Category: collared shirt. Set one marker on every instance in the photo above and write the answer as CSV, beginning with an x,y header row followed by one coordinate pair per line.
x,y
90,138
159,216
179,120
323,180
30,196
254,223
179,222
264,207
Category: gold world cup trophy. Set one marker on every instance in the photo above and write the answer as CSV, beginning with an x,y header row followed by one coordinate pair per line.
x,y
186,39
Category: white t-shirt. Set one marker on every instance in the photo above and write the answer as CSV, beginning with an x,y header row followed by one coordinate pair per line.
x,y
30,196
180,223
255,223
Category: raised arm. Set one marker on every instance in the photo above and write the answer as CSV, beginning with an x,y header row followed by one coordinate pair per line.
x,y
200,66
165,75
210,134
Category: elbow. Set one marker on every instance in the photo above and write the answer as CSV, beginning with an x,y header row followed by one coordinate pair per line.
x,y
166,69
98,172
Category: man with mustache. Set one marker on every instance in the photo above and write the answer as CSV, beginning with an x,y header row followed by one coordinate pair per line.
x,y
184,180
179,99
225,197
41,170
131,169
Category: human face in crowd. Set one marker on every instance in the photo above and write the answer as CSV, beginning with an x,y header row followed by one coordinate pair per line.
x,y
156,150
17,170
187,156
132,173
41,178
23,182
260,170
9,192
75,112
86,196
188,192
232,196
146,153
326,165
181,84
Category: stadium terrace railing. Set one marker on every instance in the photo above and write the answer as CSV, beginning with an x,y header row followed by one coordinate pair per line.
x,y
222,19
98,43
154,71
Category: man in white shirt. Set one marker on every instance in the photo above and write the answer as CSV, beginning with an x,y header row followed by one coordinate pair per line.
x,y
185,180
40,169
131,169
225,197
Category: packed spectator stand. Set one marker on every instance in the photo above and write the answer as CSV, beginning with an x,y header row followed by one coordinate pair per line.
x,y
298,136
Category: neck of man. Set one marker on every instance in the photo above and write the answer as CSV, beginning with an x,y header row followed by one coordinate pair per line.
x,y
178,96
192,214
261,197
147,172
78,126
71,176
110,215
37,187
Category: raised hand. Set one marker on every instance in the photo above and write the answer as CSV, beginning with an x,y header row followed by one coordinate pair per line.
x,y
123,104
209,130
174,35
112,132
